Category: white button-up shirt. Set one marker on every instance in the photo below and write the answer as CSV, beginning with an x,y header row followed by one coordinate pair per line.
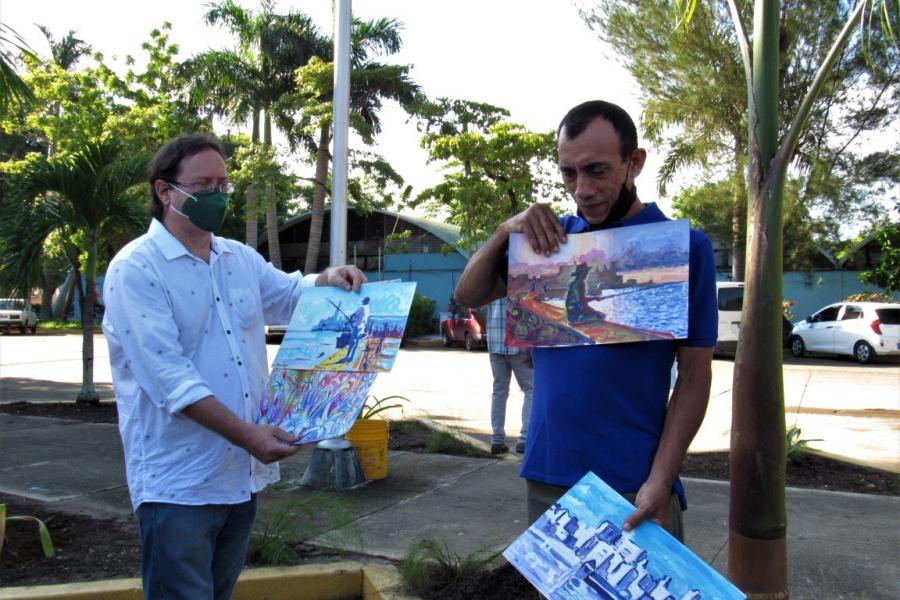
x,y
180,329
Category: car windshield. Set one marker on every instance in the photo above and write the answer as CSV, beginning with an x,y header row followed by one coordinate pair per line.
x,y
888,316
11,305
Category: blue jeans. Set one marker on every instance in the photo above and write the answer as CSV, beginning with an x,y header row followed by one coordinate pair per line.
x,y
503,366
193,552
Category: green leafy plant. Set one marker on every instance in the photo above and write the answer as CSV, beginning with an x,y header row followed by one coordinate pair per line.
x,y
430,565
868,297
286,523
797,448
43,532
422,320
373,405
59,325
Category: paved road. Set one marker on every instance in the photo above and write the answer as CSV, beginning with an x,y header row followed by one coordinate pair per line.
x,y
854,410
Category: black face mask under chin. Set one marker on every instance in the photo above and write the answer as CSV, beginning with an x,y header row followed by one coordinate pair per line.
x,y
620,207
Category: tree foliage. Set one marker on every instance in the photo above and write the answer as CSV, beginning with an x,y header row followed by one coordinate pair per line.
x,y
694,94
493,168
886,274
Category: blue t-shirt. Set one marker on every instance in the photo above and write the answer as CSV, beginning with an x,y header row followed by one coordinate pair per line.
x,y
602,408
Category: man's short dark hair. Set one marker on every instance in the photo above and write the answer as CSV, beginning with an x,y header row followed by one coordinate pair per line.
x,y
167,161
577,120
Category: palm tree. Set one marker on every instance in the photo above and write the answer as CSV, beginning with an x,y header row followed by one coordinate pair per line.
x,y
12,89
371,83
81,194
250,81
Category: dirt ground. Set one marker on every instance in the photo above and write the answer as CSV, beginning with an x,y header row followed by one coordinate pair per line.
x,y
90,548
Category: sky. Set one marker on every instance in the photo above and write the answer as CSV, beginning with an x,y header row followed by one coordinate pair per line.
x,y
534,57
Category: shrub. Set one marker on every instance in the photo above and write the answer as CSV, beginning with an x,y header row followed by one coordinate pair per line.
x,y
421,319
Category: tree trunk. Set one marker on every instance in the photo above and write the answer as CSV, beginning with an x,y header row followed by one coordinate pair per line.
x,y
88,394
250,212
757,551
47,287
739,218
271,206
317,219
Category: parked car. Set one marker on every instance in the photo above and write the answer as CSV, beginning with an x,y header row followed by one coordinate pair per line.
x,y
17,314
862,330
462,324
730,300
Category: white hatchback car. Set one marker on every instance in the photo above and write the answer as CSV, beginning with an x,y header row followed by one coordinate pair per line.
x,y
858,329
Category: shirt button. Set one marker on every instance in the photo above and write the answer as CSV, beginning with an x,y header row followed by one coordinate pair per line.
x,y
228,332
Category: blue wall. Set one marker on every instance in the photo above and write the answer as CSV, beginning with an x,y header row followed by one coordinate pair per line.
x,y
435,274
810,291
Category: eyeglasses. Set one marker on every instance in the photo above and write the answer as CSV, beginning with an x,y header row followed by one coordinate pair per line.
x,y
205,188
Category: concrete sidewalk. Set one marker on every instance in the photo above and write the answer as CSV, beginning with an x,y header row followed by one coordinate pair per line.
x,y
840,545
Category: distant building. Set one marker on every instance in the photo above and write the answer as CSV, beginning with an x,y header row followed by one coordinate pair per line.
x,y
385,245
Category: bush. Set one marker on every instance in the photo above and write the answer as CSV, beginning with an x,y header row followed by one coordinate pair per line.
x,y
421,319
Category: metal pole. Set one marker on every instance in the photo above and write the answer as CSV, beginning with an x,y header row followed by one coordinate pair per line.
x,y
342,9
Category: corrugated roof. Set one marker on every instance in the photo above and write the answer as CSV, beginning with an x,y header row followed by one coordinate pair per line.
x,y
447,233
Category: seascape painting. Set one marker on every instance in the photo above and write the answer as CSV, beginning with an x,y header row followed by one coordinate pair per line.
x,y
314,404
627,284
334,330
577,550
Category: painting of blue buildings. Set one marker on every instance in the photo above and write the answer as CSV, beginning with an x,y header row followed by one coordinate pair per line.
x,y
334,330
577,550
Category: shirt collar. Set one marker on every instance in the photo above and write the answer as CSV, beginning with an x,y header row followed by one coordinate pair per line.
x,y
172,247
649,214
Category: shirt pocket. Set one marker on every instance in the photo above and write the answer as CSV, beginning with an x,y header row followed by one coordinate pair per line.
x,y
245,306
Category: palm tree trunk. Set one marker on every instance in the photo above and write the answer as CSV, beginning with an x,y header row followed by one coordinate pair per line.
x,y
88,394
271,207
739,217
250,218
46,313
757,550
317,219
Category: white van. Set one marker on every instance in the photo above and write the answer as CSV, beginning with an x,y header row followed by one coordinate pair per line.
x,y
730,300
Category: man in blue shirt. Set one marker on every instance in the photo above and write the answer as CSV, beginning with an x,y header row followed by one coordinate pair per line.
x,y
606,408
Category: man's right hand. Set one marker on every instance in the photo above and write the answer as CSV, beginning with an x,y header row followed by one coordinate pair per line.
x,y
269,443
541,226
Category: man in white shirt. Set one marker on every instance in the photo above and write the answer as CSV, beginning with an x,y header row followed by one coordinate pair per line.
x,y
184,319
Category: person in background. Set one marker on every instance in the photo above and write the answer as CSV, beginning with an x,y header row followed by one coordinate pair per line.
x,y
505,362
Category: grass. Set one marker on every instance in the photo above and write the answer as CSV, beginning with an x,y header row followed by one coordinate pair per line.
x,y
59,325
430,565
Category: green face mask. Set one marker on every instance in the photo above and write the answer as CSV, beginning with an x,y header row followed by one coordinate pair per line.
x,y
206,209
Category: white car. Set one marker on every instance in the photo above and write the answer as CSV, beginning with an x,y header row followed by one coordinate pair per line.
x,y
858,329
17,314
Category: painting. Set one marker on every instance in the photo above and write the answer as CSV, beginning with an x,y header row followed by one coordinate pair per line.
x,y
315,405
627,284
334,330
577,550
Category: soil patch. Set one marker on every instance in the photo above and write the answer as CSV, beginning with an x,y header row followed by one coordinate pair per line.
x,y
91,548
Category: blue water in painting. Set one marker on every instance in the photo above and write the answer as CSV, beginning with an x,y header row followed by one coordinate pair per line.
x,y
305,349
659,308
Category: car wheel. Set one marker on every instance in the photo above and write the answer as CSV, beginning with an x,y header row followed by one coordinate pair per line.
x,y
23,329
470,343
798,349
34,328
445,339
863,353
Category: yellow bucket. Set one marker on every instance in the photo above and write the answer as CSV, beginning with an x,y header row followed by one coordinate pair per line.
x,y
370,438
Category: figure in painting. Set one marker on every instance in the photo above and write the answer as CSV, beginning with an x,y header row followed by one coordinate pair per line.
x,y
578,308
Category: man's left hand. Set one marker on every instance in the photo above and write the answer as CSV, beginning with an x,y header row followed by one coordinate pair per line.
x,y
651,502
346,277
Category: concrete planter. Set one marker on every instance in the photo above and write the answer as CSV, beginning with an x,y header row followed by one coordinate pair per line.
x,y
335,581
